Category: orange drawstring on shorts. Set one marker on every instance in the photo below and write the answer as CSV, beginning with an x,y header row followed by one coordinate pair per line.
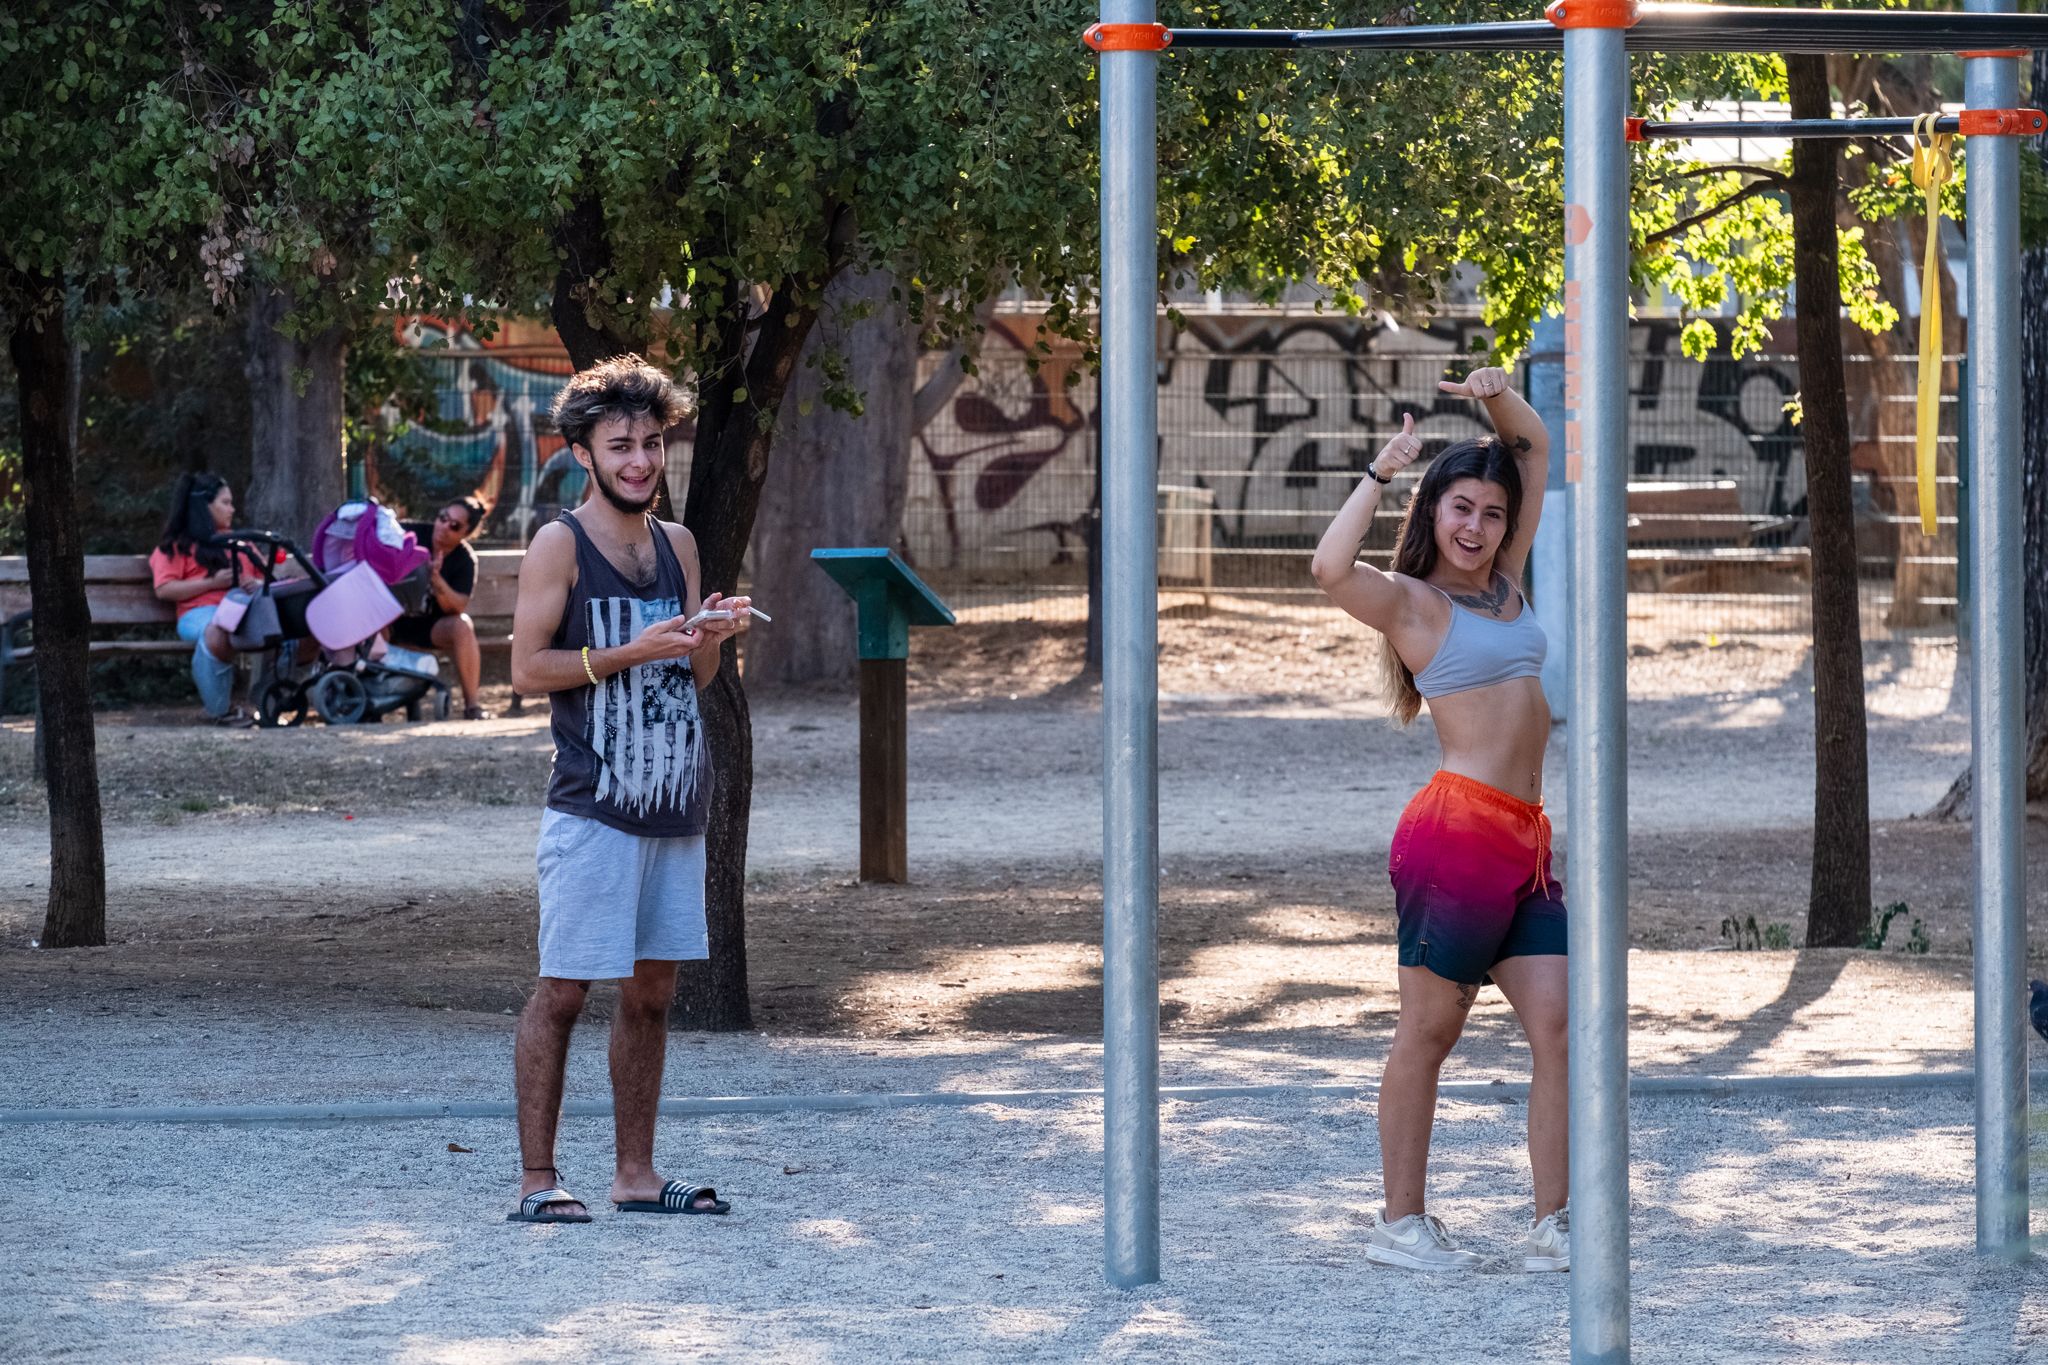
x,y
1542,848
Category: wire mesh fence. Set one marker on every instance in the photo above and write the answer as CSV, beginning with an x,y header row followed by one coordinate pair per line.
x,y
1260,443
1265,425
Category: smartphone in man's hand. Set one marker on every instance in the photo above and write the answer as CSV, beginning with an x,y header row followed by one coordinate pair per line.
x,y
724,614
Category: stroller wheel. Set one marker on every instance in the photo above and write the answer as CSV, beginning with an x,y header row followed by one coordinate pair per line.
x,y
281,702
339,697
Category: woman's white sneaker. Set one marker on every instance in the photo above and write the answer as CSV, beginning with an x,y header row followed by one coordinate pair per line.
x,y
1417,1242
1550,1243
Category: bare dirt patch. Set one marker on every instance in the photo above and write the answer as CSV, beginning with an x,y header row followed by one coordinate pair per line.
x,y
1299,954
230,871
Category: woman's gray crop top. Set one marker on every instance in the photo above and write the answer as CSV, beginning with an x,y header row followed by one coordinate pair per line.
x,y
1479,651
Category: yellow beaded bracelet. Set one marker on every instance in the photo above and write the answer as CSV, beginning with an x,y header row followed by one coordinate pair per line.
x,y
586,666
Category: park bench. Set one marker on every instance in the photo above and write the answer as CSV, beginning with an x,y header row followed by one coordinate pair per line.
x,y
119,593
497,589
1678,527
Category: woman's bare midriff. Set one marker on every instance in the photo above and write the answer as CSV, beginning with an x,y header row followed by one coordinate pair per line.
x,y
1496,735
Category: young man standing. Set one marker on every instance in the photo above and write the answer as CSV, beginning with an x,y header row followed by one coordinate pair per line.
x,y
603,595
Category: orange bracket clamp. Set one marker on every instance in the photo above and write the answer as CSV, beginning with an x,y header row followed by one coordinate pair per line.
x,y
1592,13
1632,128
2001,122
1998,52
1128,37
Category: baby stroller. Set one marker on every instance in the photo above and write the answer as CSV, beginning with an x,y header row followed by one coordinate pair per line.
x,y
365,571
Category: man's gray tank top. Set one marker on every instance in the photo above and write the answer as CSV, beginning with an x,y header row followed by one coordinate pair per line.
x,y
629,752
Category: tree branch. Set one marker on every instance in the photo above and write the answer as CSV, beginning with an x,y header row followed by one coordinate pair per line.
x,y
1730,168
1684,225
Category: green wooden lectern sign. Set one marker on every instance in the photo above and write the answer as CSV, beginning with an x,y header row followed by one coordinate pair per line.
x,y
888,599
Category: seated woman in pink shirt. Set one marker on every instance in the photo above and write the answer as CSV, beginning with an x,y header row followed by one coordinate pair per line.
x,y
192,571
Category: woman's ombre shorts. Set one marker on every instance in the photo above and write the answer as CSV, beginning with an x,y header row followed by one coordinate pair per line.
x,y
1472,883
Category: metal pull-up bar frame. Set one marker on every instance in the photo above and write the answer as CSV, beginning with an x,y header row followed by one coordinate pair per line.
x,y
1966,123
1665,28
1596,37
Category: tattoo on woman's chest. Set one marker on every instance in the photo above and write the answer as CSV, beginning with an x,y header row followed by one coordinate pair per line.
x,y
1492,600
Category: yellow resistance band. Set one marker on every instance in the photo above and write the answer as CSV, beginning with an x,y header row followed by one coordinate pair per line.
x,y
1932,168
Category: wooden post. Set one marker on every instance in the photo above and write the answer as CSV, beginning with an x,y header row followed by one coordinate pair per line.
x,y
884,771
888,600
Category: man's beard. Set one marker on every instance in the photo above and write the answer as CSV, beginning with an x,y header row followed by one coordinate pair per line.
x,y
619,500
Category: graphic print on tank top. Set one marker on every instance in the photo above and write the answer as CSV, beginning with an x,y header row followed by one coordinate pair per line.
x,y
643,726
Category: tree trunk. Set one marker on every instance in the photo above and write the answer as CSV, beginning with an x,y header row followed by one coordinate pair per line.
x,y
737,401
578,309
1957,803
2034,478
712,994
1091,653
841,481
1838,908
580,306
738,398
43,360
296,416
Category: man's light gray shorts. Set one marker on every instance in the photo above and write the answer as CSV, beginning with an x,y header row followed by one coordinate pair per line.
x,y
609,899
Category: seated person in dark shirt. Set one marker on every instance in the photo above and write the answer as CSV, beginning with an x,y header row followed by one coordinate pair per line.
x,y
445,625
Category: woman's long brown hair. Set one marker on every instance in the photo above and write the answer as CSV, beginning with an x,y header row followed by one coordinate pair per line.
x,y
1415,552
188,525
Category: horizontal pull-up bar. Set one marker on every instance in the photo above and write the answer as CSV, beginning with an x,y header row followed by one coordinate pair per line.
x,y
1672,28
1970,123
1520,36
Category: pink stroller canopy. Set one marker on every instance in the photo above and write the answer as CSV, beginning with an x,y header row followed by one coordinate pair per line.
x,y
366,532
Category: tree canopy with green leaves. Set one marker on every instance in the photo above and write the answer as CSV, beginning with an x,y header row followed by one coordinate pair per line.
x,y
689,179
67,74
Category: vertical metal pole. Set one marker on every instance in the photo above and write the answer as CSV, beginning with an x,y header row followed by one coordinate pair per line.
x,y
1091,654
1998,691
1596,463
1130,686
1965,461
1550,556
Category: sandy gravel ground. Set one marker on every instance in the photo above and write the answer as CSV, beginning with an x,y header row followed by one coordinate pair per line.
x,y
1721,739
1763,1232
134,1033
272,949
1765,1229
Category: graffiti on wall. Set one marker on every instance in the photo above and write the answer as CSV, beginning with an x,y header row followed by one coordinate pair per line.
x,y
1277,417
1005,462
1718,419
487,435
